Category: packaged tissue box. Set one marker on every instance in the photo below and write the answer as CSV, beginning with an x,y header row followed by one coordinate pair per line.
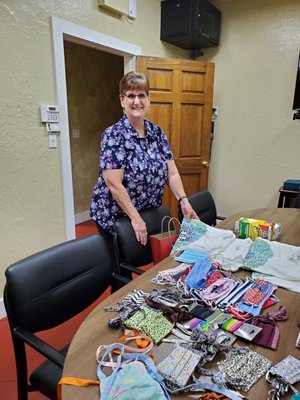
x,y
253,228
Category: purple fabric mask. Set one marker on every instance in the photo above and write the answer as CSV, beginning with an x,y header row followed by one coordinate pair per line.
x,y
269,336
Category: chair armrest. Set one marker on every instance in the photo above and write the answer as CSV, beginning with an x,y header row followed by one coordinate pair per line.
x,y
220,218
121,278
131,268
40,346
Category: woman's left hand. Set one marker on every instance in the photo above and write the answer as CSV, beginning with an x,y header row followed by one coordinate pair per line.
x,y
187,210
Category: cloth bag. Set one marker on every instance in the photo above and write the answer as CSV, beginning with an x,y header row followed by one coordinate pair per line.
x,y
162,243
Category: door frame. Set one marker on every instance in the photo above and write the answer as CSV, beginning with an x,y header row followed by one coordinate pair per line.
x,y
65,30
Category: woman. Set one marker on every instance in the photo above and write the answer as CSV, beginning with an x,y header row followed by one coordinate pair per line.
x,y
136,162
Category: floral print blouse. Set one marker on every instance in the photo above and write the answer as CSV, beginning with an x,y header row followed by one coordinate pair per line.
x,y
145,169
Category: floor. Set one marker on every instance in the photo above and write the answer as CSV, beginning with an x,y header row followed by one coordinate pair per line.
x,y
58,337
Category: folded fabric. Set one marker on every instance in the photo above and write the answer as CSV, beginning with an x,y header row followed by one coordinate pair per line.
x,y
242,370
233,257
178,366
214,240
288,369
274,259
189,232
218,290
269,335
190,256
150,322
255,297
170,276
196,276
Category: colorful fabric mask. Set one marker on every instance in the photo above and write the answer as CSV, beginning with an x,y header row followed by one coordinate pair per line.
x,y
151,322
189,232
264,289
219,289
269,336
132,373
179,365
242,370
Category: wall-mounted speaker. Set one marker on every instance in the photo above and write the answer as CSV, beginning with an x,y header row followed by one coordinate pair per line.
x,y
190,24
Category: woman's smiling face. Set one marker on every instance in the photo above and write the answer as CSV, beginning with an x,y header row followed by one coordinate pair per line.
x,y
135,103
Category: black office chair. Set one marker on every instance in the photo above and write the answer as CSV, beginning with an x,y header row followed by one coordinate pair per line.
x,y
43,291
204,205
130,254
297,205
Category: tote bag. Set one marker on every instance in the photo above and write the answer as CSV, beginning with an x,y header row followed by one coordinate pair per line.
x,y
162,243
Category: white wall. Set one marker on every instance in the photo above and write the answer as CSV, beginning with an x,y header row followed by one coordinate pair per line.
x,y
256,142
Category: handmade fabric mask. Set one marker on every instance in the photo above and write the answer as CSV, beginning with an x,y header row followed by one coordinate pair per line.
x,y
131,374
151,322
242,370
269,336
282,376
196,277
189,232
179,365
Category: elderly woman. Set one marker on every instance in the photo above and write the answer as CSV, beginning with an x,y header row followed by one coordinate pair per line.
x,y
136,162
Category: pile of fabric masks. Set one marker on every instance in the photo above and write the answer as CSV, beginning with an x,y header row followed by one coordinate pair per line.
x,y
205,282
270,260
165,313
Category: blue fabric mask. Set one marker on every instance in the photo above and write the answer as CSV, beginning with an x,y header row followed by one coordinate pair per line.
x,y
190,256
129,380
196,277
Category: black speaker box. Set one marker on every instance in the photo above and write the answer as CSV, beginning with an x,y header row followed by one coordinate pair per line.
x,y
190,24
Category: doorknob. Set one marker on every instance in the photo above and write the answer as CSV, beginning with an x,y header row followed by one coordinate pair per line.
x,y
205,163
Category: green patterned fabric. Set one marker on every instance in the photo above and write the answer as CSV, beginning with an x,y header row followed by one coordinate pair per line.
x,y
150,322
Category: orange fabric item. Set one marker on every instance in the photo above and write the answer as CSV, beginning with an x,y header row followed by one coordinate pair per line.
x,y
141,342
74,382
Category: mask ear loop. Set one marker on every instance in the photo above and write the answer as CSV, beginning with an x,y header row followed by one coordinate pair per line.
x,y
279,387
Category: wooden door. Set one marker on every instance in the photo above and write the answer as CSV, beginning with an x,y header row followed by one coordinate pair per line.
x,y
181,93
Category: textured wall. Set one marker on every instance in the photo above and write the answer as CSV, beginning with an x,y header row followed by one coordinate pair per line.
x,y
257,143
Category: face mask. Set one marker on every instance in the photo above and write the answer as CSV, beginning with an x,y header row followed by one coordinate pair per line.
x,y
190,256
131,374
196,277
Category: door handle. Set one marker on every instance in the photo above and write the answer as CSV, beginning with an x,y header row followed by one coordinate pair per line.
x,y
205,163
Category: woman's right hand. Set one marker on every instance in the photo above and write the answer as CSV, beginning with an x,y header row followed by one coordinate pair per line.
x,y
140,229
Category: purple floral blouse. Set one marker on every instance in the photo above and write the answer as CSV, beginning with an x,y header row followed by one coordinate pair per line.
x,y
145,169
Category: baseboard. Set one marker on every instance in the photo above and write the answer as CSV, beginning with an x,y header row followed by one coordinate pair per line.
x,y
2,309
82,217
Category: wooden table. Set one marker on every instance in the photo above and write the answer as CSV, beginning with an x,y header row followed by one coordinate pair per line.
x,y
81,362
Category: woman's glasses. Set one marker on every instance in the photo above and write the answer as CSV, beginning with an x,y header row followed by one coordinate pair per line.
x,y
131,96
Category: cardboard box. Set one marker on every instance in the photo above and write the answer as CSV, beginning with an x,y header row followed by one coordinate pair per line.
x,y
253,228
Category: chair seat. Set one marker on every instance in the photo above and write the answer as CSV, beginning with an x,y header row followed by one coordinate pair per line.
x,y
47,375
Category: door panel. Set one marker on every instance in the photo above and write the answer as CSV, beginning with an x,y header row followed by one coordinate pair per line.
x,y
181,93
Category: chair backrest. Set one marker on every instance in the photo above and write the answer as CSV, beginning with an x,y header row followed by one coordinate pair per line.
x,y
204,205
298,201
128,249
50,287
